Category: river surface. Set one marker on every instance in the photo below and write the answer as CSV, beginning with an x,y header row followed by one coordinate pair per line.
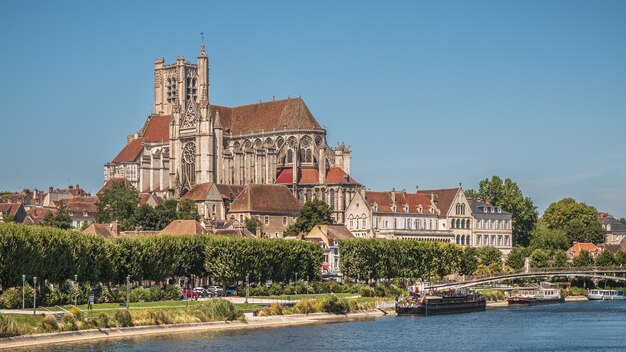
x,y
577,326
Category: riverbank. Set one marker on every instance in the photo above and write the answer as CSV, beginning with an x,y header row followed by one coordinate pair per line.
x,y
27,341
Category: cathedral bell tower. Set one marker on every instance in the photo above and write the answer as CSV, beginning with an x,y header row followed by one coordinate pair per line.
x,y
182,91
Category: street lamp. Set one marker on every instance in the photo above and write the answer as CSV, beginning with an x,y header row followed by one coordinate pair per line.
x,y
35,295
23,292
76,293
296,284
128,292
247,286
186,291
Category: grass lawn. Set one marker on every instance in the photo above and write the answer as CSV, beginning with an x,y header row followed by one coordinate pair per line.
x,y
302,296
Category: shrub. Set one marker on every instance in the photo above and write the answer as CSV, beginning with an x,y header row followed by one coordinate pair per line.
x,y
171,292
103,320
77,313
153,317
493,295
123,318
304,306
577,291
69,322
8,327
333,304
258,291
367,291
380,291
12,298
272,309
289,290
218,309
49,324
274,290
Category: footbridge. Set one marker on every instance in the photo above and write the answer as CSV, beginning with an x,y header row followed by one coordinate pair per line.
x,y
606,273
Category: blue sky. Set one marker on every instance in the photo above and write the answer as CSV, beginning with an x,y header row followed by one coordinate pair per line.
x,y
426,93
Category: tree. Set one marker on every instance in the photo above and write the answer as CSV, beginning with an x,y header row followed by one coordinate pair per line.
x,y
545,238
606,258
166,213
147,217
578,220
540,258
489,255
517,258
469,261
252,224
118,203
314,212
61,220
622,220
187,210
508,195
583,259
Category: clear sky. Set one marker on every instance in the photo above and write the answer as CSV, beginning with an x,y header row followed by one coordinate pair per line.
x,y
426,93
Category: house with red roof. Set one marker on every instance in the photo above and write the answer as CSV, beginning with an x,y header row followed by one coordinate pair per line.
x,y
12,212
273,205
577,247
328,237
213,200
397,215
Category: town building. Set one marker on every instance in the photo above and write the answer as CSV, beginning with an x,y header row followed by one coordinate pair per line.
x,y
328,237
273,205
492,226
577,247
82,209
104,230
396,215
189,141
213,200
13,212
55,195
614,229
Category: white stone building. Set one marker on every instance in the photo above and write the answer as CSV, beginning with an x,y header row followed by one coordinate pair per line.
x,y
492,226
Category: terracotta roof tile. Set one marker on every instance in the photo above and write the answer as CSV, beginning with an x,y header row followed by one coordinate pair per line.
x,y
103,230
10,208
267,116
198,192
334,175
110,182
131,151
157,129
338,232
384,201
266,199
183,227
445,197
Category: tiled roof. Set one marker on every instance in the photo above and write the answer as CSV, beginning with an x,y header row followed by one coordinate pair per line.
x,y
131,151
266,199
157,129
444,197
338,232
478,207
334,175
80,204
103,230
267,116
384,200
579,246
229,192
113,181
198,192
243,233
10,208
183,227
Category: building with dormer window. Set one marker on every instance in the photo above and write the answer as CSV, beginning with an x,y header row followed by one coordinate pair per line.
x,y
492,226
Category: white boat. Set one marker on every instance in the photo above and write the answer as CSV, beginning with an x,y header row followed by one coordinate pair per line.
x,y
606,295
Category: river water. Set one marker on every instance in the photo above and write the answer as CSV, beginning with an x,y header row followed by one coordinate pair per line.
x,y
577,326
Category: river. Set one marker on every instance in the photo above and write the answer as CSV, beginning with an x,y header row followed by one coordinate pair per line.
x,y
576,326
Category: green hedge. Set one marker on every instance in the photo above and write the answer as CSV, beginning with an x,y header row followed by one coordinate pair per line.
x,y
387,259
57,255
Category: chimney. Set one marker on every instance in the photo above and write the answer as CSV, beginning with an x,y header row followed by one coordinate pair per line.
x,y
50,189
393,195
115,228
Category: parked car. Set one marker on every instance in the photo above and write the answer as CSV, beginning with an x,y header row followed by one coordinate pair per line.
x,y
202,292
188,294
216,290
231,291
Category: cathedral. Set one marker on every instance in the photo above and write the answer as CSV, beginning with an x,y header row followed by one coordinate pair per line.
x,y
188,142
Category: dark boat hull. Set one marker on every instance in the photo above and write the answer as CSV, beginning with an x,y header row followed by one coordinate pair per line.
x,y
435,308
528,301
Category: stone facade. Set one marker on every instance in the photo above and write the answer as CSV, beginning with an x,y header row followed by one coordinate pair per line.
x,y
492,226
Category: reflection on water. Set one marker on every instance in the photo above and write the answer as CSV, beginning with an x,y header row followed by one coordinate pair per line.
x,y
580,326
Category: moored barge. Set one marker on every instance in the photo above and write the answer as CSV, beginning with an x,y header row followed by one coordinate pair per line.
x,y
442,302
535,297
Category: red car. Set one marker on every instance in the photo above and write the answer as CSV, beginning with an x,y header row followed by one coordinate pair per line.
x,y
188,294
